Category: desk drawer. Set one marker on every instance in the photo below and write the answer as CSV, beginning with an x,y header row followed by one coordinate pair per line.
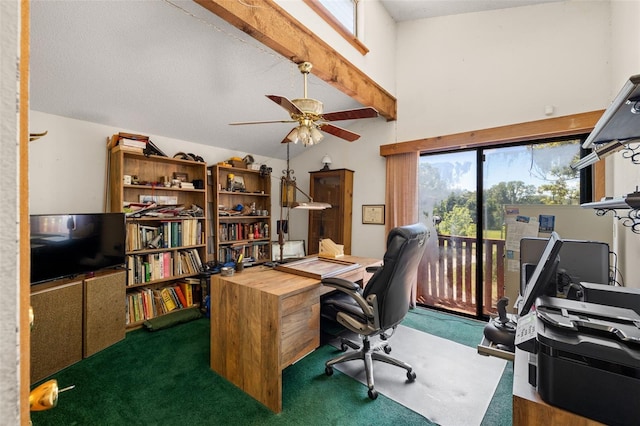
x,y
300,326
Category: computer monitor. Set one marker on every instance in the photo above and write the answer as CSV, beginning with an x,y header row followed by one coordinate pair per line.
x,y
580,260
543,274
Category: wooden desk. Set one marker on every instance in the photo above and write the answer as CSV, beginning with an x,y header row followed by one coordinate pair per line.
x,y
530,409
262,321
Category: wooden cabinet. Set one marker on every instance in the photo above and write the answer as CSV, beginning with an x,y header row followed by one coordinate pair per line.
x,y
56,337
167,246
74,318
102,317
336,188
242,221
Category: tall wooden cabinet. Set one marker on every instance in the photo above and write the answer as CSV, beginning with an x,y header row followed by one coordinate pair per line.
x,y
242,223
164,248
336,188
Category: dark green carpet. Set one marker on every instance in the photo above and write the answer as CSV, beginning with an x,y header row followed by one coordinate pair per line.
x,y
163,378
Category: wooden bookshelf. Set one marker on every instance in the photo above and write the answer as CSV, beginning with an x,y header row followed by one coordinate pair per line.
x,y
166,249
248,230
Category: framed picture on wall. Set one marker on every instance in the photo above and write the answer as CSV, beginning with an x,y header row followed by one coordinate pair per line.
x,y
373,214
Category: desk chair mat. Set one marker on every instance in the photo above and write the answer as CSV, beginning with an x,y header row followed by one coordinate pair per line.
x,y
454,384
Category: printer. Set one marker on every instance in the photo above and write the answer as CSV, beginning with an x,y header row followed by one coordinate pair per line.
x,y
586,357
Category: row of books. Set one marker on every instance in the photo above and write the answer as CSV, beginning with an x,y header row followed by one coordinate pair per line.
x,y
143,268
147,303
174,233
256,251
243,231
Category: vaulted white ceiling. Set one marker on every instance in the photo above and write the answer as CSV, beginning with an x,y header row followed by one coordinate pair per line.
x,y
173,68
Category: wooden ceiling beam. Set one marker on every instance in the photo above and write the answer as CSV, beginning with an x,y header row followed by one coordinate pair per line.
x,y
268,23
556,127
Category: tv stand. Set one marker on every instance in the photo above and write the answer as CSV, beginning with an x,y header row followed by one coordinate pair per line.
x,y
85,313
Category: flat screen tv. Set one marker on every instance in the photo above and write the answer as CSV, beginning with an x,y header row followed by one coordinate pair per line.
x,y
543,275
66,245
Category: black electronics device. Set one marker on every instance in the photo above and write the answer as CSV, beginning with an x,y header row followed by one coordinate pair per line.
x,y
501,330
543,274
65,245
580,260
588,359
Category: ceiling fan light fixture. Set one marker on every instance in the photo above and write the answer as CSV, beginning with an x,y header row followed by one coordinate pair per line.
x,y
316,135
308,105
304,135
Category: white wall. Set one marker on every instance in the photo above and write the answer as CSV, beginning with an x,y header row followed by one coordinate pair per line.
x,y
486,69
67,167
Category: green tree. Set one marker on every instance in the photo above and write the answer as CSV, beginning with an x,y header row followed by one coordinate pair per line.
x,y
458,221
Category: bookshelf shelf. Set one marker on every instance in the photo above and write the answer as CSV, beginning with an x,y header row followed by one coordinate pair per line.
x,y
240,219
165,249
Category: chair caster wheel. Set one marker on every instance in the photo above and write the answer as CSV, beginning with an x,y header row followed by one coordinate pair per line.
x,y
373,394
411,376
328,371
387,349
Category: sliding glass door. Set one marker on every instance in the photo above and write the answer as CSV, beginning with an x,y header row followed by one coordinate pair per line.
x,y
465,196
448,200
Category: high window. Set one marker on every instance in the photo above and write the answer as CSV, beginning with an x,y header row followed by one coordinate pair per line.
x,y
344,11
343,16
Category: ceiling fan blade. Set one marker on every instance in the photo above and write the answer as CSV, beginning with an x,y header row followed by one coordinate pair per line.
x,y
350,114
287,138
285,103
261,122
339,132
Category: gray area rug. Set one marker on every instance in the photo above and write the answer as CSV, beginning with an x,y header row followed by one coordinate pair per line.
x,y
454,384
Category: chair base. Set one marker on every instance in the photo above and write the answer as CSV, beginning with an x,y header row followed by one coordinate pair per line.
x,y
369,354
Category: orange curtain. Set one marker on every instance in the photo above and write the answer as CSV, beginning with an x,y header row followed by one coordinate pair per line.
x,y
402,195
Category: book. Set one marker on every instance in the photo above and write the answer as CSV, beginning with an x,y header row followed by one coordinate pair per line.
x,y
167,300
133,143
174,296
187,290
132,136
135,149
181,296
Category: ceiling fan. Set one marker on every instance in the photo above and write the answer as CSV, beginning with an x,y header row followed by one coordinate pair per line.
x,y
308,113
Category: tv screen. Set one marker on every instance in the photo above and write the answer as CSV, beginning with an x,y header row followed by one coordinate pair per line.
x,y
65,245
543,274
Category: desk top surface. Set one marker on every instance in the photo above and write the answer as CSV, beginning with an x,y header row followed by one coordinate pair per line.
x,y
281,283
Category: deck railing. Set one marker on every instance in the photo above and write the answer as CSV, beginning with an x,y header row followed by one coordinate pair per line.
x,y
448,280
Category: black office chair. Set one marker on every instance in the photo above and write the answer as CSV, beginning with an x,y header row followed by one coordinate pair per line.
x,y
381,306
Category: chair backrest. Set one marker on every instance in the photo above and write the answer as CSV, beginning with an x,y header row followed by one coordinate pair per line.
x,y
392,283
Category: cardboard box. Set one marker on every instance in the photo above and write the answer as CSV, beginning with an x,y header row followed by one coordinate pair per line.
x,y
238,164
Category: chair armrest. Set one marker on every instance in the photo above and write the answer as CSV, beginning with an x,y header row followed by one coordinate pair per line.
x,y
353,290
341,284
373,268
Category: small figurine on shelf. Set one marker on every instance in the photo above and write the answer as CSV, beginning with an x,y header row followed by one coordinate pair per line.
x,y
230,178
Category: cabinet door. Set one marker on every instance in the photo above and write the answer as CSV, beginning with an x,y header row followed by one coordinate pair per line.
x,y
336,188
56,338
104,311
